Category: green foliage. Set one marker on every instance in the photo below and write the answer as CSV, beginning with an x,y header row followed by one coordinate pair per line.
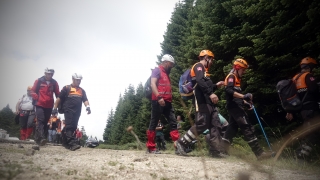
x,y
132,110
7,122
273,36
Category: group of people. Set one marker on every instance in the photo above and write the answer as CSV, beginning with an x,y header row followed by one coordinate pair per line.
x,y
205,104
38,106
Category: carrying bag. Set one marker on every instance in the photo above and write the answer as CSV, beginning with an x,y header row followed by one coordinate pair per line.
x,y
185,85
16,118
288,95
147,89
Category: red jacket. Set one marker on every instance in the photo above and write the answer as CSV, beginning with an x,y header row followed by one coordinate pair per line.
x,y
44,98
164,86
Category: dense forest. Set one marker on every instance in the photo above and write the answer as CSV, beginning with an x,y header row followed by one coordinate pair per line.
x,y
272,35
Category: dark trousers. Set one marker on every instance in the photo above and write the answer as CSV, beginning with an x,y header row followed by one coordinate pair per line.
x,y
308,117
71,119
26,119
58,138
168,113
311,139
238,119
43,116
206,120
161,144
156,112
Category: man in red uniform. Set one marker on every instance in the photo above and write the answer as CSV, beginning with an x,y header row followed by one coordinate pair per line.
x,y
161,102
42,95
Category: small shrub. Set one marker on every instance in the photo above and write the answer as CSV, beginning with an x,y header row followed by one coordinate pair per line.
x,y
154,175
112,163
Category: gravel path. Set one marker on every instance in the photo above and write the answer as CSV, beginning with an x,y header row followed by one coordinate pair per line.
x,y
55,162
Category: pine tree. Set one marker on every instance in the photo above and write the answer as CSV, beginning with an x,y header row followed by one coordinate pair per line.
x,y
7,122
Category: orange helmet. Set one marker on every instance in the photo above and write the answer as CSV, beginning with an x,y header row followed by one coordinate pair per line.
x,y
206,52
308,60
29,88
241,62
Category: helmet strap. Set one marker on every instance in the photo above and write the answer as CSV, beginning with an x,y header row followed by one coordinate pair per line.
x,y
237,73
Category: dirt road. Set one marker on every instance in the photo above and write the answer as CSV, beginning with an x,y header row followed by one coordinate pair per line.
x,y
55,162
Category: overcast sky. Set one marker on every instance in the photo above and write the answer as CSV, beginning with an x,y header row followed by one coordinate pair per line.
x,y
111,43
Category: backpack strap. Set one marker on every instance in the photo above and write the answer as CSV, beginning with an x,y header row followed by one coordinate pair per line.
x,y
295,80
68,88
38,85
54,82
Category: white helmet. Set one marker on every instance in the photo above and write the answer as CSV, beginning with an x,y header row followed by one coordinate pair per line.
x,y
47,70
167,57
76,76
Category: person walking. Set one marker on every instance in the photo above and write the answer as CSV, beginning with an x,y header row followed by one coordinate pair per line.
x,y
308,91
78,136
25,110
161,144
52,130
161,102
204,101
238,118
42,94
73,96
58,135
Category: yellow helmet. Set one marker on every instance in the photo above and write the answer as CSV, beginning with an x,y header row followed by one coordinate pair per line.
x,y
241,62
206,52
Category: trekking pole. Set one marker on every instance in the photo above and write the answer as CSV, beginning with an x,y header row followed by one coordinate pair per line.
x,y
254,109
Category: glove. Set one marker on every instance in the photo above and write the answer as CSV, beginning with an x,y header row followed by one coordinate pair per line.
x,y
248,97
88,110
54,112
247,105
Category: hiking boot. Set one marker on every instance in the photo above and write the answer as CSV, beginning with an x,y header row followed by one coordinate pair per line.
x,y
176,152
181,150
43,142
153,151
75,147
265,155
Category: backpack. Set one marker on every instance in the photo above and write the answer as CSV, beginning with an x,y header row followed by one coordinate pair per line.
x,y
288,95
147,89
185,85
62,100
